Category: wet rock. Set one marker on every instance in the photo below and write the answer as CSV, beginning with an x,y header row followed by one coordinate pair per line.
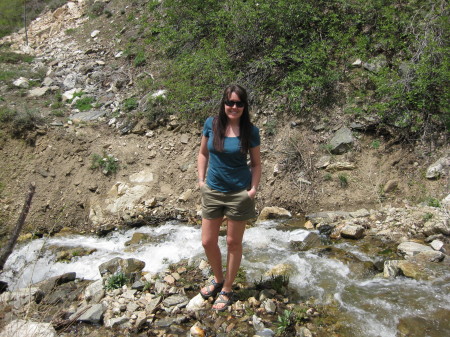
x,y
197,331
413,270
391,269
174,301
284,269
270,306
48,285
196,303
352,232
138,238
437,244
412,248
130,267
312,240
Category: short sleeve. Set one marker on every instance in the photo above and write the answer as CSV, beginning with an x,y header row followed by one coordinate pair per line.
x,y
207,127
255,139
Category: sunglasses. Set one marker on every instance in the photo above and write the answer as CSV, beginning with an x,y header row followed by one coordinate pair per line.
x,y
232,103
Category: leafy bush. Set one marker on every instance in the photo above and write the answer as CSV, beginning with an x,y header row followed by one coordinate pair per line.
x,y
299,53
11,12
84,103
11,57
343,180
107,163
130,104
116,281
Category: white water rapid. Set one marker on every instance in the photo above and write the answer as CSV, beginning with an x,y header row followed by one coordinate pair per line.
x,y
373,307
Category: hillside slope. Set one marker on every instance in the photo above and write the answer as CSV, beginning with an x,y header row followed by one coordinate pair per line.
x,y
73,52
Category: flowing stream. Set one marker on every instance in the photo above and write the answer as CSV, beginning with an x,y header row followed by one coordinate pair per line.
x,y
372,307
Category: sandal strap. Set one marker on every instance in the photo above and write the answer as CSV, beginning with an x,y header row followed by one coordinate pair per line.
x,y
216,284
228,294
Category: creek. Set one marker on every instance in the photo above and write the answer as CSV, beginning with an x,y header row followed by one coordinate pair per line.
x,y
370,306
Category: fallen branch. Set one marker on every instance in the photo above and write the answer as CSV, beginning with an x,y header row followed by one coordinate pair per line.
x,y
18,228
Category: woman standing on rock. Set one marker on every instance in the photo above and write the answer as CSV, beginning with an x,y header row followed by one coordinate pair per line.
x,y
229,189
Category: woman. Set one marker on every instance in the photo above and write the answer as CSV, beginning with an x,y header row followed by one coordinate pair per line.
x,y
229,189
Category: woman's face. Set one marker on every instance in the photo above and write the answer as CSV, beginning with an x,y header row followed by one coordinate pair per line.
x,y
233,112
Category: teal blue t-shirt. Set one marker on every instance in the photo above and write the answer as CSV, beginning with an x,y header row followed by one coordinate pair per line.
x,y
228,170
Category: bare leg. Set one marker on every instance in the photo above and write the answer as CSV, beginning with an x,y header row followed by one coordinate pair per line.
x,y
235,234
210,238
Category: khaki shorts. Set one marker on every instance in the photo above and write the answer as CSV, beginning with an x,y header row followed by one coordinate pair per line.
x,y
234,205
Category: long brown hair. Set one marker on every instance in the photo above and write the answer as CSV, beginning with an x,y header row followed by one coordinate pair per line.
x,y
220,122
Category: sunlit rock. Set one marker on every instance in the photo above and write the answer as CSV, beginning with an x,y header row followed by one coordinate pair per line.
x,y
24,328
274,213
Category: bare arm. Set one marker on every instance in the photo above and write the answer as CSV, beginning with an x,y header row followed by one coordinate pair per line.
x,y
202,161
256,168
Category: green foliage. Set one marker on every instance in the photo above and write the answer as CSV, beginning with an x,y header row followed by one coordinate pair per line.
x,y
11,57
6,114
11,12
84,103
375,144
276,282
298,52
327,177
271,127
427,216
343,180
130,104
284,321
7,75
107,163
70,31
96,8
433,202
116,281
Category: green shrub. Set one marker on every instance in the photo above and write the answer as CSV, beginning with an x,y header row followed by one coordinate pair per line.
x,y
284,321
298,53
343,180
130,104
84,103
13,58
375,144
107,163
116,281
433,202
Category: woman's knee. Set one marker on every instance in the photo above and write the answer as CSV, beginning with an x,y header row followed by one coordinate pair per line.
x,y
208,243
233,243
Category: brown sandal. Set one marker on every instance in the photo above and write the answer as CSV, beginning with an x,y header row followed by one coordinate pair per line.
x,y
217,287
222,300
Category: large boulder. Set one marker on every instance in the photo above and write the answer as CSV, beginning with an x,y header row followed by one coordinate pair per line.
x,y
438,168
342,141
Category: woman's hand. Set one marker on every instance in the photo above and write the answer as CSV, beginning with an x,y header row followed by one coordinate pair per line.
x,y
201,183
252,192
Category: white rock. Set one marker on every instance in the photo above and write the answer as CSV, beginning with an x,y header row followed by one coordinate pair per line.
x,y
22,328
437,244
95,33
21,82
